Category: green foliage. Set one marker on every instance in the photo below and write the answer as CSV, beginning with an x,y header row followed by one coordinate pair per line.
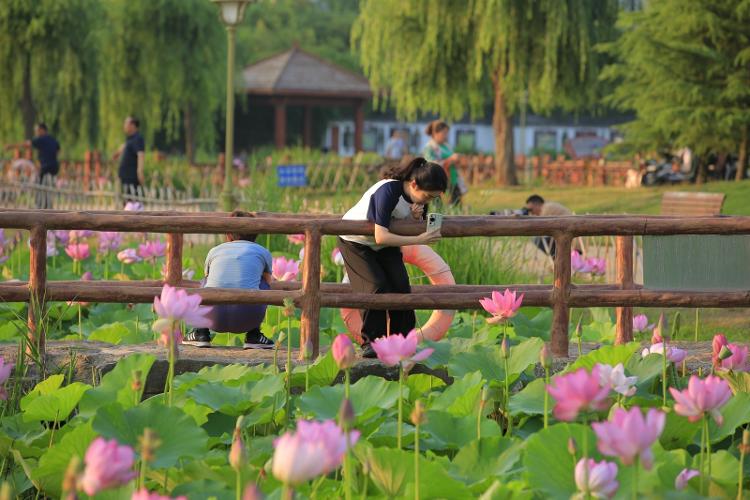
x,y
49,67
683,66
161,59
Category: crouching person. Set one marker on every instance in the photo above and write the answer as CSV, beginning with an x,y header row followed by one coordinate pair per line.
x,y
238,263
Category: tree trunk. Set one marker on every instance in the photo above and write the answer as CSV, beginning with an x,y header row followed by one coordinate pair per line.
x,y
28,113
502,124
742,157
701,176
189,127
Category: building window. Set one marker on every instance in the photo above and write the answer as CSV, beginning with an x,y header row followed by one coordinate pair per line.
x,y
545,141
466,141
348,138
372,139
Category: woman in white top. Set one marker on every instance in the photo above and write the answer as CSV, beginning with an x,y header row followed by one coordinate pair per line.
x,y
374,264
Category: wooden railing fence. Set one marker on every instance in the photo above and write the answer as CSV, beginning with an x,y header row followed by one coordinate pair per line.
x,y
311,295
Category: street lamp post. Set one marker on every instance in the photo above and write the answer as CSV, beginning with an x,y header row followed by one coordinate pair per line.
x,y
232,12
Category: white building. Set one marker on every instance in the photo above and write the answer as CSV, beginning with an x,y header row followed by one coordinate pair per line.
x,y
540,134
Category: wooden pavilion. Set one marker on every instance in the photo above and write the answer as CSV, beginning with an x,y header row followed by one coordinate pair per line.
x,y
298,78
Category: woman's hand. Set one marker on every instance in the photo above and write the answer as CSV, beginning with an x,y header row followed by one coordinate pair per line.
x,y
417,210
429,237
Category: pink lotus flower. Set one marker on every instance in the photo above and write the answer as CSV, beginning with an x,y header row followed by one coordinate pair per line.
x,y
640,323
597,266
616,379
108,465
316,448
176,304
685,475
717,343
343,351
134,206
285,269
144,494
109,241
701,397
578,264
596,480
5,371
151,249
501,306
244,182
128,256
628,435
737,361
296,239
577,391
674,355
396,348
78,251
336,257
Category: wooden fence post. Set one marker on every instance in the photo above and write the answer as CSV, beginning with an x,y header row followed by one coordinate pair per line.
x,y
624,264
37,286
560,295
174,259
310,320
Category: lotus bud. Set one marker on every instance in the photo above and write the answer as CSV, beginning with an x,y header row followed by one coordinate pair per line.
x,y
69,482
545,356
572,447
579,329
307,350
418,413
504,349
346,413
745,445
149,442
252,492
282,337
237,450
288,310
137,383
659,332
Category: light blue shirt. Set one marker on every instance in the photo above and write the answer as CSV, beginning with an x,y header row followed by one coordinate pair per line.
x,y
237,264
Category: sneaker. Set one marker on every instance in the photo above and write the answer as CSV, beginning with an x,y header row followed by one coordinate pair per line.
x,y
254,339
368,351
199,337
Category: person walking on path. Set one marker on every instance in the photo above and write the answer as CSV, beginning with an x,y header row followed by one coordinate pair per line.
x,y
375,264
132,157
438,151
47,150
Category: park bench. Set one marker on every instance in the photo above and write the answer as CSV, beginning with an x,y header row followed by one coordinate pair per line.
x,y
692,204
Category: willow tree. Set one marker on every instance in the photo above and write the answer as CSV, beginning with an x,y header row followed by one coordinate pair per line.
x,y
163,60
453,57
48,68
688,84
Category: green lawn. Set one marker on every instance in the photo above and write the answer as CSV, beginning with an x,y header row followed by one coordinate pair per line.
x,y
599,200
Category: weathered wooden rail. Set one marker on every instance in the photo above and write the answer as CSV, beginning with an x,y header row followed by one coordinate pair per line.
x,y
311,295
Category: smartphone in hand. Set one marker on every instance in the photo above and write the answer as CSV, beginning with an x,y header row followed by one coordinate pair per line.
x,y
434,221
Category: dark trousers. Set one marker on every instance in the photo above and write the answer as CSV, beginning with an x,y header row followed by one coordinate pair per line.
x,y
46,179
130,188
378,271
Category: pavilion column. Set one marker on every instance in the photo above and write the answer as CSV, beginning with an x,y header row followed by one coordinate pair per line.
x,y
279,124
359,125
307,129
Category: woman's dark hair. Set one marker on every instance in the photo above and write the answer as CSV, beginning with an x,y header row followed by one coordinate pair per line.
x,y
435,126
428,175
241,236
